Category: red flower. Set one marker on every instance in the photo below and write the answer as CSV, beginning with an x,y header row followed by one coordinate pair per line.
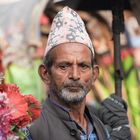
x,y
4,121
16,110
21,122
33,106
9,88
16,102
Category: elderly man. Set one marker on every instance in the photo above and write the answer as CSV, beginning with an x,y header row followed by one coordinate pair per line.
x,y
69,72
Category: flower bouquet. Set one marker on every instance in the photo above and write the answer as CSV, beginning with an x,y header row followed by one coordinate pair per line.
x,y
17,111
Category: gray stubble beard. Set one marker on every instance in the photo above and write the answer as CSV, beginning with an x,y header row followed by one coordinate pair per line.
x,y
71,97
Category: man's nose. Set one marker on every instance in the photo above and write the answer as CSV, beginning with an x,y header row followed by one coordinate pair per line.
x,y
74,73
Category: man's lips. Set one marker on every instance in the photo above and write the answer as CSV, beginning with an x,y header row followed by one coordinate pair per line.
x,y
74,88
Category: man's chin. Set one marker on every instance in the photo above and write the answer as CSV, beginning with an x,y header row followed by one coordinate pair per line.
x,y
73,100
72,95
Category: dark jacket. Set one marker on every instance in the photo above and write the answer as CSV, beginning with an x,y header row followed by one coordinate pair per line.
x,y
56,124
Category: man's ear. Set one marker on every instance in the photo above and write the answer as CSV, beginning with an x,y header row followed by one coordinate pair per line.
x,y
43,72
95,72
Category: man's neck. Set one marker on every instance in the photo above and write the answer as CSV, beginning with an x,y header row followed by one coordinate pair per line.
x,y
77,114
76,111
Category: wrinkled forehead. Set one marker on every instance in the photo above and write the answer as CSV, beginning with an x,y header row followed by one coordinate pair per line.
x,y
72,51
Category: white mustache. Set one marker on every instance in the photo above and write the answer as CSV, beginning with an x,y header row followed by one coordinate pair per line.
x,y
72,84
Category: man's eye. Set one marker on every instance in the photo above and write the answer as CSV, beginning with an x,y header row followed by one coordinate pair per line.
x,y
63,67
84,66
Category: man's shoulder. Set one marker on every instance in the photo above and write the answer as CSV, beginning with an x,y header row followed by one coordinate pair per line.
x,y
47,116
42,120
38,128
92,109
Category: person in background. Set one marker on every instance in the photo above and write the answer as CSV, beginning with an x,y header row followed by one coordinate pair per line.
x,y
69,71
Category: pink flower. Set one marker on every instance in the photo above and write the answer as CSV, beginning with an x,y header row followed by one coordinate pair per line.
x,y
5,115
16,110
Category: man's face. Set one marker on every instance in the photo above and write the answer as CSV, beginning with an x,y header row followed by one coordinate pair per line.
x,y
72,72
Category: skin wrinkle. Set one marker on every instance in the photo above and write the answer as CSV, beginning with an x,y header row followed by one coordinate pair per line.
x,y
70,77
73,72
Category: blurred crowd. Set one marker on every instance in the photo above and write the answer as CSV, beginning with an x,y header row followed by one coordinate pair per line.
x,y
24,29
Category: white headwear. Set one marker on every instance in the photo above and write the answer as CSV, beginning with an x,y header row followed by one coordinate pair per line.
x,y
67,27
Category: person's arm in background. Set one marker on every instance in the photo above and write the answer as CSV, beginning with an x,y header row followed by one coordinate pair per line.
x,y
113,113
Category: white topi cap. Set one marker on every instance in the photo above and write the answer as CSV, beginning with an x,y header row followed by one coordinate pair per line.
x,y
67,26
